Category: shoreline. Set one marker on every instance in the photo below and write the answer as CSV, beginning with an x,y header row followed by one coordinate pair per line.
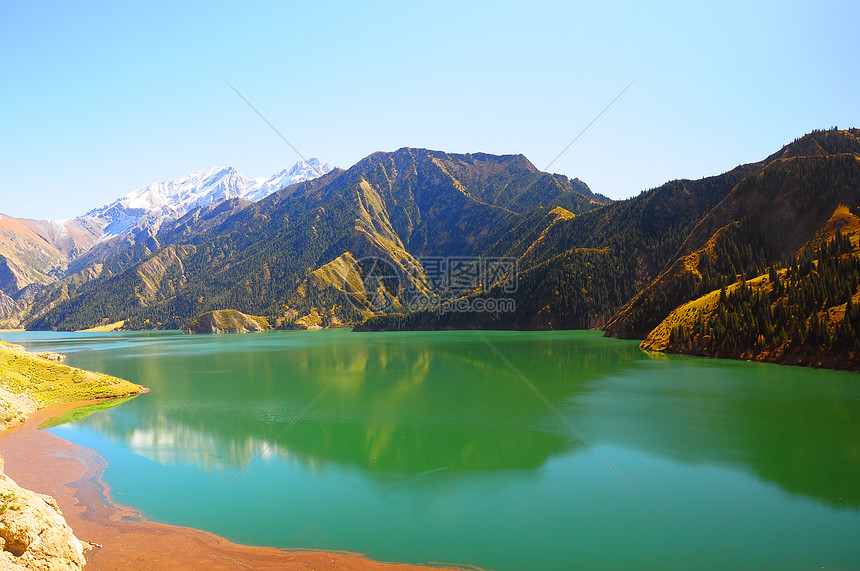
x,y
122,538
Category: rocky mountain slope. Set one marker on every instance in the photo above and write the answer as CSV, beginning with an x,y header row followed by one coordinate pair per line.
x,y
575,272
804,310
770,214
39,251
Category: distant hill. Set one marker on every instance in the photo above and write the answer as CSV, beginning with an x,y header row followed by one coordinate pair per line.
x,y
39,251
226,321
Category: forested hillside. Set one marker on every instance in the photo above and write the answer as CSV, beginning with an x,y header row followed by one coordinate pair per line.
x,y
806,311
575,273
771,214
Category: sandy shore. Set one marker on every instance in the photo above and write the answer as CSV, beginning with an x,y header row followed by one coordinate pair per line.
x,y
39,461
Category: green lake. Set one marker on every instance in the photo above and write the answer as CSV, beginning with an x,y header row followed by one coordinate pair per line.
x,y
431,447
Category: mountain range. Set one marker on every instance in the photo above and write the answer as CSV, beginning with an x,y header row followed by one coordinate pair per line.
x,y
363,247
290,255
146,207
173,199
37,253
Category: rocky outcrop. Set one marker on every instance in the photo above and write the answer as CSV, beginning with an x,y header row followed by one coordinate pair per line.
x,y
7,306
14,409
227,321
50,356
33,532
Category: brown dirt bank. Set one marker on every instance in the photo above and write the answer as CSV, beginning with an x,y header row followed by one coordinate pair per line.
x,y
124,539
803,356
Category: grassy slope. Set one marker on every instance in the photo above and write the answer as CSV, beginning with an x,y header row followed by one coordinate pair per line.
x,y
686,315
115,326
787,353
52,383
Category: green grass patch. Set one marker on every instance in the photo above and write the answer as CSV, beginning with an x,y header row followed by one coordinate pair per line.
x,y
81,412
9,501
52,383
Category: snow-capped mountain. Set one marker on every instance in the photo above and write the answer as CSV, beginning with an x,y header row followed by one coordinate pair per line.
x,y
260,188
175,198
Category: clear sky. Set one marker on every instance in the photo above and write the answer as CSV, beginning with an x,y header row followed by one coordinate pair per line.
x,y
99,99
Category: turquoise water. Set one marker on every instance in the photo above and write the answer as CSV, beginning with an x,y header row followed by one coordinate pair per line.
x,y
429,447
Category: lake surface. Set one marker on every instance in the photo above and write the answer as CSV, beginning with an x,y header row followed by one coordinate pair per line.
x,y
430,447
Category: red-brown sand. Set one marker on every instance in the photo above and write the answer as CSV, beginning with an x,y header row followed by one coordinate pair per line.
x,y
39,461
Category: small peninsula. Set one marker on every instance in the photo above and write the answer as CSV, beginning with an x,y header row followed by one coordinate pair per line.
x,y
31,381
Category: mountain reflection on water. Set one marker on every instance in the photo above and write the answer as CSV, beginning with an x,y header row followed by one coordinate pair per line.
x,y
421,402
429,448
406,405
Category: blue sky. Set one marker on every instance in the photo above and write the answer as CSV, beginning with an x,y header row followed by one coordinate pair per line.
x,y
99,99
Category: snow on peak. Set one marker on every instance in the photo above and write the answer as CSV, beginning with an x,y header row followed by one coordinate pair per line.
x,y
299,172
175,198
